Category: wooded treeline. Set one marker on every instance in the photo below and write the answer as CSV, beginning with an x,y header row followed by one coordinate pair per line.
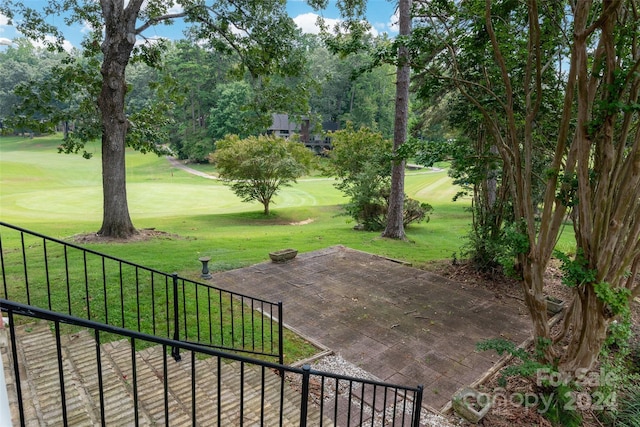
x,y
207,98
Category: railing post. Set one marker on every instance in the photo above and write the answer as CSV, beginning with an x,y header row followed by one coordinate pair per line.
x,y
175,351
304,398
16,366
417,409
280,335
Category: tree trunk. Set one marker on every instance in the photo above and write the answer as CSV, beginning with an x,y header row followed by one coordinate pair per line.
x,y
117,46
395,225
588,327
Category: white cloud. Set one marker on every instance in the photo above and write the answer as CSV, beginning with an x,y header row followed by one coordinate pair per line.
x,y
177,8
5,41
66,44
149,41
308,23
393,23
3,21
86,28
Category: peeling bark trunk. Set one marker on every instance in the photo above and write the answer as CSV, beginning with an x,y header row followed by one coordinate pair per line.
x,y
588,329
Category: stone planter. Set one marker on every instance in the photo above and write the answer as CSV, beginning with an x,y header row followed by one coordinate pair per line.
x,y
283,255
470,404
554,305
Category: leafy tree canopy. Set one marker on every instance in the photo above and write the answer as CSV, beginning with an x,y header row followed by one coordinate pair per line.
x,y
258,166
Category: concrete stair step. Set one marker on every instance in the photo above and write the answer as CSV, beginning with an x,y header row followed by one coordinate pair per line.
x,y
150,385
80,349
40,380
218,385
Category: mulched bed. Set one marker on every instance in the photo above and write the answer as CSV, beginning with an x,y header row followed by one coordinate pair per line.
x,y
143,235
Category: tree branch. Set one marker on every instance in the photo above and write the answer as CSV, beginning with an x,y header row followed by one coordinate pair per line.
x,y
157,20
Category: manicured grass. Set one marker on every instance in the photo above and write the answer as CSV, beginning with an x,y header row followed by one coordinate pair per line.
x,y
61,196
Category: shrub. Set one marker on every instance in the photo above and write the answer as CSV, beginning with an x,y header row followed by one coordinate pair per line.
x,y
362,162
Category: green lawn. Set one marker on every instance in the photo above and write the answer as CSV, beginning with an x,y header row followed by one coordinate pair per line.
x,y
61,195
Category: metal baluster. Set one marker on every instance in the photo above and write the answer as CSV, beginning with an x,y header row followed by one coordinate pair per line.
x,y
304,398
121,296
197,313
241,393
63,395
104,291
233,338
66,272
418,406
153,303
24,266
134,370
193,388
86,285
280,334
46,271
16,367
100,379
175,351
138,298
209,312
4,271
220,309
165,383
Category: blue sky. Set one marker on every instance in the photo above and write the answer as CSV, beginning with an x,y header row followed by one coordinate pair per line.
x,y
379,14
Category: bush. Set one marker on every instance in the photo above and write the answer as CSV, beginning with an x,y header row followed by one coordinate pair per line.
x,y
362,162
371,210
257,167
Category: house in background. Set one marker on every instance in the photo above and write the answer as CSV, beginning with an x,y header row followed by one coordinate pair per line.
x,y
282,127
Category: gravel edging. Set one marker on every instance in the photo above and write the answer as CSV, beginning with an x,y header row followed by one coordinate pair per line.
x,y
335,364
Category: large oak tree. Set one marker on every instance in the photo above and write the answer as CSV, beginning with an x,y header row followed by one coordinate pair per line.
x,y
259,32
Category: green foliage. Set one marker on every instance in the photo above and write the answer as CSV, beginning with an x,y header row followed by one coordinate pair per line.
x,y
575,271
628,413
230,114
515,243
362,162
616,299
621,362
616,305
349,90
528,366
415,211
484,245
367,192
431,151
560,411
477,170
257,167
192,143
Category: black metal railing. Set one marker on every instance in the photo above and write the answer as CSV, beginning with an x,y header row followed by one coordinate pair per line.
x,y
66,278
258,393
